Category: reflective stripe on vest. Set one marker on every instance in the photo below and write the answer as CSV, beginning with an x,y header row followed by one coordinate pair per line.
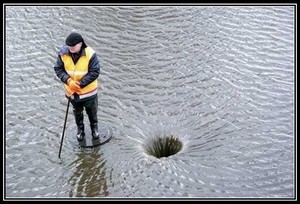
x,y
78,70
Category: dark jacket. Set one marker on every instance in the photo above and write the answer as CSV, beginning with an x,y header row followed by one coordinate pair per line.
x,y
94,67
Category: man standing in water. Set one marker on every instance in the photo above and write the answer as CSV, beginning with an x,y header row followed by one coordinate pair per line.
x,y
78,67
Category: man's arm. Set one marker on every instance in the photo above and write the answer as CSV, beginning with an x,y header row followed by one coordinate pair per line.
x,y
93,71
59,69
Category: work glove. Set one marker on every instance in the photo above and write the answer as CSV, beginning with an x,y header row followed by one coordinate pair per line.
x,y
73,85
69,93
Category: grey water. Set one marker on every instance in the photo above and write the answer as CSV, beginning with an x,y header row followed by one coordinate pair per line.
x,y
218,78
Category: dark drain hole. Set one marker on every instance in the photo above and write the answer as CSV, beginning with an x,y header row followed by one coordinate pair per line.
x,y
163,146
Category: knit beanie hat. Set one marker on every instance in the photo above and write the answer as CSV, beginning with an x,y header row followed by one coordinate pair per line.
x,y
73,39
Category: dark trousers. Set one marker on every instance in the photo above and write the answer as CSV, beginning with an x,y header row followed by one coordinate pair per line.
x,y
91,108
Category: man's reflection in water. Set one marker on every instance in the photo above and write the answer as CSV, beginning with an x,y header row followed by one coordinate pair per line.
x,y
89,178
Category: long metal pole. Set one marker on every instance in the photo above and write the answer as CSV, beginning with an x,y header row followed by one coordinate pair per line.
x,y
63,133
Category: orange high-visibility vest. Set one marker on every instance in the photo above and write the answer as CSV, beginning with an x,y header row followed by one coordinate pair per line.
x,y
78,70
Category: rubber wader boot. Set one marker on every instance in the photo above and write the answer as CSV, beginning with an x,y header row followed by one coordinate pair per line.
x,y
91,111
80,125
80,133
95,133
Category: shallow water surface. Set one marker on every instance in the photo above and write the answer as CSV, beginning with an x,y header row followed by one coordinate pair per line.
x,y
220,79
